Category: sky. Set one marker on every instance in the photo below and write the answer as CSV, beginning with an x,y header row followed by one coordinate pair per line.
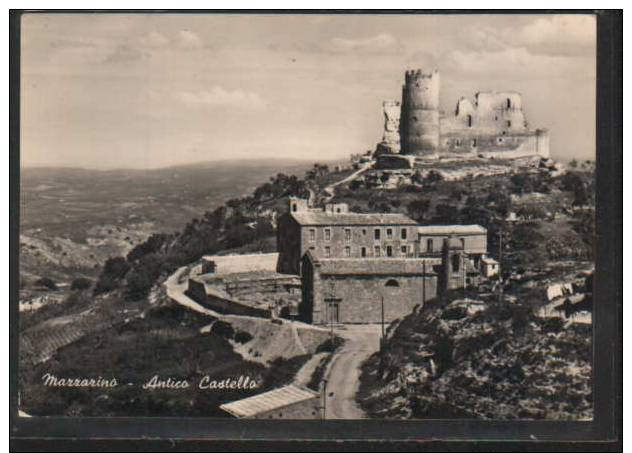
x,y
153,90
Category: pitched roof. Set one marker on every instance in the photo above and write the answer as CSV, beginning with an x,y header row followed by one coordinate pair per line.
x,y
351,218
451,229
376,266
267,401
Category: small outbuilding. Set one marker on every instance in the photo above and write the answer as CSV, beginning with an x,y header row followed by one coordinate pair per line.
x,y
289,402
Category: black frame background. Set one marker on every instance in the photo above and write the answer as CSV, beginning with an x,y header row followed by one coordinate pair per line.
x,y
194,434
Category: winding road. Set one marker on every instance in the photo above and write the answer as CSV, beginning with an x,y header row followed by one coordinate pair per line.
x,y
343,375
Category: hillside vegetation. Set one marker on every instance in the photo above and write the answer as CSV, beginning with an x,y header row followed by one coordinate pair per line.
x,y
498,363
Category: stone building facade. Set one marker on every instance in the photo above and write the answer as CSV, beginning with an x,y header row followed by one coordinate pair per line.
x,y
492,124
362,268
348,290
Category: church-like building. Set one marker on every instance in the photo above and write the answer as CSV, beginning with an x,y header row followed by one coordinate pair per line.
x,y
369,267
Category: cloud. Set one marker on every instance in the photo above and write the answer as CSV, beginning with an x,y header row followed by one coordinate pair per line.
x,y
560,35
184,40
221,97
510,62
124,53
154,40
72,44
189,40
381,43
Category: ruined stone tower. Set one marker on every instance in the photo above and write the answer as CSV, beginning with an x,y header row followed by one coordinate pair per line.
x,y
419,124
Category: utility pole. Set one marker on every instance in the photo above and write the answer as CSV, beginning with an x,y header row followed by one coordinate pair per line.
x,y
324,399
500,260
382,299
423,287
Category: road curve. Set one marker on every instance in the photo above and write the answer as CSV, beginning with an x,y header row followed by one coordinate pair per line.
x,y
343,375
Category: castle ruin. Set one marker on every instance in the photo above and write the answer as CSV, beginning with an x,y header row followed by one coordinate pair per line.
x,y
492,125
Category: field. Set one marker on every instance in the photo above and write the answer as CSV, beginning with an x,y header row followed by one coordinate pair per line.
x,y
72,220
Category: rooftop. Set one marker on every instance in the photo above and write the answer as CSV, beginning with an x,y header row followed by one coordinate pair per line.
x,y
351,218
451,229
268,401
376,266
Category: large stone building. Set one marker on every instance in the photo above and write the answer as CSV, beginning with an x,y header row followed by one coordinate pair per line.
x,y
492,124
365,268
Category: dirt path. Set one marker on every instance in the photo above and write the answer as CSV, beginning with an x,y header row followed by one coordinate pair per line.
x,y
329,190
344,371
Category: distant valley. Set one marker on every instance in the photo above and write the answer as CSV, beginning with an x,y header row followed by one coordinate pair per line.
x,y
72,219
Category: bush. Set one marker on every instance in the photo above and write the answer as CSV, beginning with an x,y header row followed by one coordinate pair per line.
x,y
46,283
223,329
330,346
243,337
113,271
80,284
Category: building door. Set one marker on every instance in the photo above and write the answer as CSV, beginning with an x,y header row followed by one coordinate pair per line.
x,y
333,311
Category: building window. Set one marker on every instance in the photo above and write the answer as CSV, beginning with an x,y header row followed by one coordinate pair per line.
x,y
392,283
508,123
499,140
327,252
377,234
337,210
457,142
389,250
389,233
327,234
312,234
347,234
455,263
463,243
312,247
377,250
469,120
508,103
474,143
348,252
429,245
404,250
294,207
363,231
404,233
363,252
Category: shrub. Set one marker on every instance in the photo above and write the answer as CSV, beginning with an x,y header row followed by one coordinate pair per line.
x,y
81,283
46,283
223,329
113,271
243,337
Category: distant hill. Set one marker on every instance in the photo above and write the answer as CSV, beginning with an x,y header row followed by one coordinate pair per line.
x,y
72,219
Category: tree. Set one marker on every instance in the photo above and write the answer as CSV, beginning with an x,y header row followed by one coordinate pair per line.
x,y
46,282
80,284
113,271
418,208
521,183
434,176
446,213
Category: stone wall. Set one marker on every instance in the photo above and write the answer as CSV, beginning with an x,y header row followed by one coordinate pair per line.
x,y
205,296
361,296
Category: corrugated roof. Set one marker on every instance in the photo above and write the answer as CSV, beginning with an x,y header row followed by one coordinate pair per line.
x,y
376,266
451,229
264,402
352,218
